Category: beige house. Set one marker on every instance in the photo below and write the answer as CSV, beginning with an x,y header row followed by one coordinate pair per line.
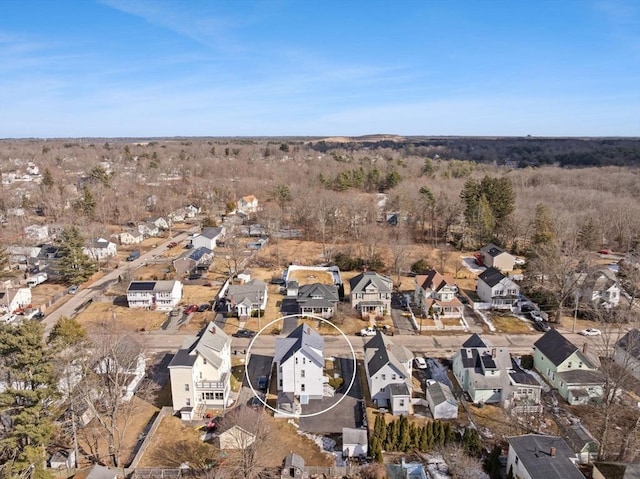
x,y
436,294
371,293
495,257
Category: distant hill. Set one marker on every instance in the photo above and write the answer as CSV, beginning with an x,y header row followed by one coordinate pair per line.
x,y
512,151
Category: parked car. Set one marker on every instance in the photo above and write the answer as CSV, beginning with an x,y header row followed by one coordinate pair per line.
x,y
39,315
527,307
591,332
278,281
188,246
244,333
73,289
604,251
369,331
192,308
195,275
535,315
520,261
262,382
175,312
256,403
173,244
420,363
133,255
204,307
542,326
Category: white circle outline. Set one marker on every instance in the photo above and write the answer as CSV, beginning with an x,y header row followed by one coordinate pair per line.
x,y
284,413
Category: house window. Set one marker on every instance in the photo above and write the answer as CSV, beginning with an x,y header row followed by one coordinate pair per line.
x,y
384,377
580,364
281,383
296,360
200,373
393,377
302,373
302,387
517,460
401,402
186,387
187,402
569,365
204,361
219,396
304,360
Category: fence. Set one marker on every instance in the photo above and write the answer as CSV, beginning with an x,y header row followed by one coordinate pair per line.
x,y
152,430
336,471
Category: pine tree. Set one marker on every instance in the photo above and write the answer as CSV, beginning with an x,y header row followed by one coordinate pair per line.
x,y
86,204
424,441
492,463
430,435
471,442
47,179
75,267
26,370
544,227
403,432
4,262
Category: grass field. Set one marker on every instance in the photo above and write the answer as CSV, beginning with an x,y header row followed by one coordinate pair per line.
x,y
97,315
510,325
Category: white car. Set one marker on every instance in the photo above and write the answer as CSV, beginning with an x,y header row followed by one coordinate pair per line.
x,y
591,332
420,363
370,331
520,261
535,315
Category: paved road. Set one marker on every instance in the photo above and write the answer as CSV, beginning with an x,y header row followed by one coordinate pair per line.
x,y
84,295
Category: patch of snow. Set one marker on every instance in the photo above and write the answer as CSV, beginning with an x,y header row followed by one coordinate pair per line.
x,y
438,372
469,262
326,444
486,320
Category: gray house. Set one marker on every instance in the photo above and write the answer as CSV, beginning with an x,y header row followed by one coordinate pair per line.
x,y
627,352
536,456
318,299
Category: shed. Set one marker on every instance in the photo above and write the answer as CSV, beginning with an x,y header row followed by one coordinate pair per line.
x,y
293,467
354,442
442,403
63,459
235,438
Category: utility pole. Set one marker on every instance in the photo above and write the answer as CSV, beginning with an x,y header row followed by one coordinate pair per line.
x,y
575,312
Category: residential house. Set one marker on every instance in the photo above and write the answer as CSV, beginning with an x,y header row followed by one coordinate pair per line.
x,y
598,287
14,299
130,237
247,205
48,257
354,442
245,299
63,459
161,223
442,402
489,375
99,249
615,470
498,290
371,293
582,442
208,238
627,352
536,456
495,257
317,299
191,211
190,260
235,438
299,360
149,230
36,232
128,361
567,368
200,373
388,368
23,257
161,295
436,294
293,467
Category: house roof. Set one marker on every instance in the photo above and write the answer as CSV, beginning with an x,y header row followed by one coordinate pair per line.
x,y
318,295
492,250
209,343
520,376
557,348
582,377
491,276
211,232
580,439
434,281
100,472
360,282
599,279
98,243
155,286
630,343
182,359
304,339
441,393
195,254
251,291
534,451
380,351
399,389
249,198
475,341
352,435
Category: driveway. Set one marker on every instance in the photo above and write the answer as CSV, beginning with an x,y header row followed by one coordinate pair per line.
x,y
348,413
259,365
402,323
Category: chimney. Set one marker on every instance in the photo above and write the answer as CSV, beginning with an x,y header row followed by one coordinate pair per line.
x,y
552,452
493,353
584,348
213,329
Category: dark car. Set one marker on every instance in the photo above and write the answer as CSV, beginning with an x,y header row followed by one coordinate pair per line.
x,y
542,326
279,281
204,307
262,382
38,315
527,307
195,275
244,333
256,403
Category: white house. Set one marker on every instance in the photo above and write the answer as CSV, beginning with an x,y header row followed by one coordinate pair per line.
x,y
496,289
14,298
599,287
208,238
245,299
161,295
436,294
388,368
567,368
130,237
536,456
36,232
627,352
160,222
354,442
200,373
247,205
371,293
148,229
442,402
299,360
100,248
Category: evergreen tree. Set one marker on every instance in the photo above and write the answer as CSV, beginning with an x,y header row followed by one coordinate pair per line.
x,y
47,179
589,236
67,332
430,435
470,196
75,267
544,228
471,442
423,445
492,463
4,262
86,204
26,371
403,434
449,433
486,220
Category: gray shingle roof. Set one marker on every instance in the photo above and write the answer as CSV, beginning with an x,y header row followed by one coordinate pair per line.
x,y
304,339
534,451
211,232
630,343
354,436
399,389
475,341
555,346
360,282
491,276
209,343
380,351
440,393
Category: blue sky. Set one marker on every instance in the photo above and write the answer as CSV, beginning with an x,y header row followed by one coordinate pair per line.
x,y
303,67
